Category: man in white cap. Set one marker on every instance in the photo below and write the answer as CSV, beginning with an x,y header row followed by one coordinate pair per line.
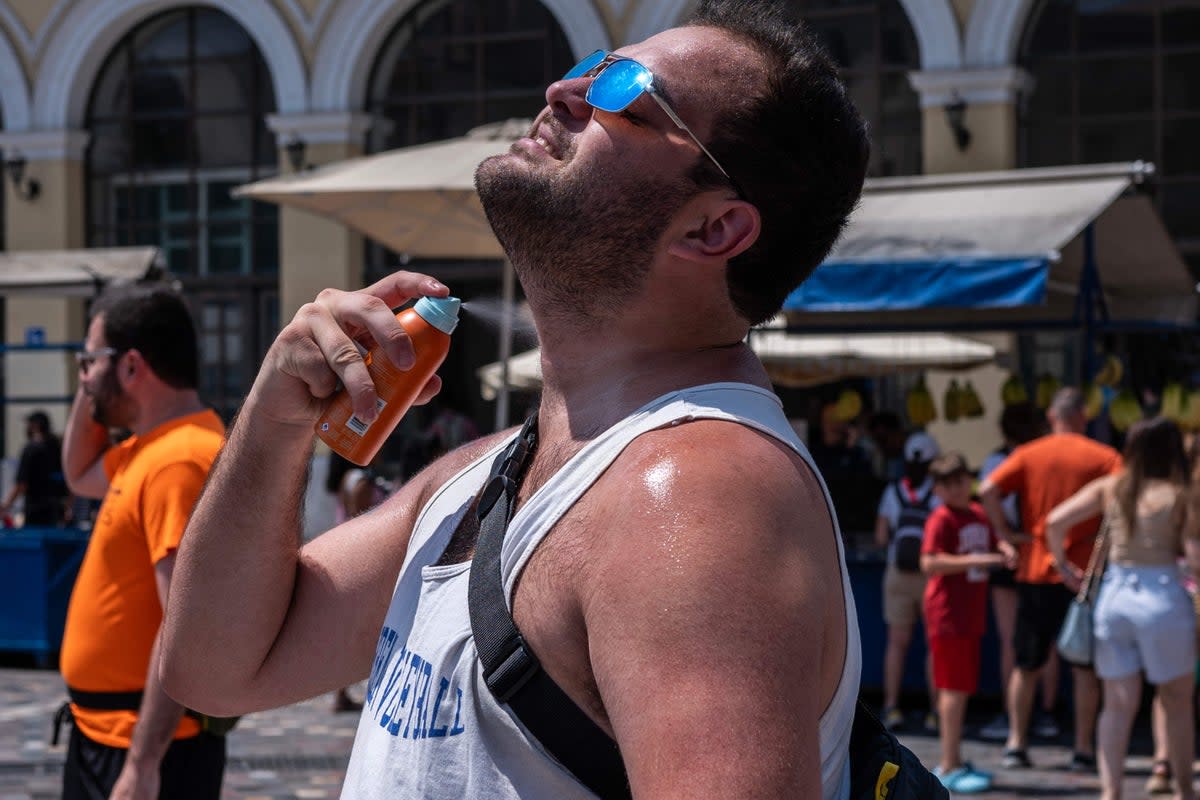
x,y
899,526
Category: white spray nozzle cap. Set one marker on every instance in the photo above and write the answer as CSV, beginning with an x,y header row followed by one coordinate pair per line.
x,y
440,312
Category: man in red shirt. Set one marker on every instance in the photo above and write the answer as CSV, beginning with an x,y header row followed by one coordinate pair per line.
x,y
1044,473
956,552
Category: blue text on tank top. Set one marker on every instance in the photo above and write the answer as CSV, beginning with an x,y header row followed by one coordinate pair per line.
x,y
402,699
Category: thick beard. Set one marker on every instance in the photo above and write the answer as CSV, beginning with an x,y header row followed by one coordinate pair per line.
x,y
110,404
582,245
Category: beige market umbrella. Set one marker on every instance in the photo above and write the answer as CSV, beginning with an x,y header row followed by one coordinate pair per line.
x,y
419,201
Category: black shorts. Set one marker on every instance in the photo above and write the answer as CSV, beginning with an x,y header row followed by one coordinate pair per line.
x,y
192,769
1041,609
1002,577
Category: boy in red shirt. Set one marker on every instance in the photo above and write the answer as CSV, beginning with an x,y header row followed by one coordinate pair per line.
x,y
958,548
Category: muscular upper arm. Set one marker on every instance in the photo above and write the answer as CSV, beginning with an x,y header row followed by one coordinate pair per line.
x,y
707,615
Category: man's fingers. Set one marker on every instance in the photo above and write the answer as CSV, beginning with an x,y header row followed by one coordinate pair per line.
x,y
400,287
343,358
429,391
327,339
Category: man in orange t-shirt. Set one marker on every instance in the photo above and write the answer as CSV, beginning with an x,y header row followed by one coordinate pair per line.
x,y
139,372
1043,473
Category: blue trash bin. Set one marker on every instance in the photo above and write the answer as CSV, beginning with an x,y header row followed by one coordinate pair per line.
x,y
37,573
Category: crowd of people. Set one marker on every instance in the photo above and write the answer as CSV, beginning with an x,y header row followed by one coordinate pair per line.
x,y
1041,502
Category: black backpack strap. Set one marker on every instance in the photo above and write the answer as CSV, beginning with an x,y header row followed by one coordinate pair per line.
x,y
510,668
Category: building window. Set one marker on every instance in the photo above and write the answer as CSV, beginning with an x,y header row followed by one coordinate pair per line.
x,y
874,46
1116,82
451,65
177,120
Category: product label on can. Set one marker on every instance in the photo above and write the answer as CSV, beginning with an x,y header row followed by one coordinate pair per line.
x,y
357,425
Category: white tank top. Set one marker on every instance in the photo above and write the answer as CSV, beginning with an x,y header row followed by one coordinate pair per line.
x,y
431,729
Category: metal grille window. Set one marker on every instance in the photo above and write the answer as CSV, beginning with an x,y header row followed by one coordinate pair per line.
x,y
1116,81
451,65
874,46
177,120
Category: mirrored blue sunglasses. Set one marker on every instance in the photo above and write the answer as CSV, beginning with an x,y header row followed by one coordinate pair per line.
x,y
617,81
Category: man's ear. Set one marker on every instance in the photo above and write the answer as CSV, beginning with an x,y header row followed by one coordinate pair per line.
x,y
719,232
130,365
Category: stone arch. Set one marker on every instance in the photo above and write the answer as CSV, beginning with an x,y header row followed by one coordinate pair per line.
x,y
14,96
358,28
994,32
88,34
933,24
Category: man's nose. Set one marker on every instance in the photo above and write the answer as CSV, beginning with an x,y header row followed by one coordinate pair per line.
x,y
567,100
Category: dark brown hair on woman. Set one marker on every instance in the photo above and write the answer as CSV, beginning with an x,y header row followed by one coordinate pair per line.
x,y
1153,451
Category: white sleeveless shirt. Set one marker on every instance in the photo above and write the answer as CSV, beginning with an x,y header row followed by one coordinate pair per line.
x,y
431,729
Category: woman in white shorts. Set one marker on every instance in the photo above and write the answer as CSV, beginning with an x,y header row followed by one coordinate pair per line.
x,y
1145,621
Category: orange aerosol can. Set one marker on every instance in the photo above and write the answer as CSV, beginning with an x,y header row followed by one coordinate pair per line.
x,y
428,324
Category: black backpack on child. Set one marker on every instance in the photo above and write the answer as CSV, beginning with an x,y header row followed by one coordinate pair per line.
x,y
910,528
881,768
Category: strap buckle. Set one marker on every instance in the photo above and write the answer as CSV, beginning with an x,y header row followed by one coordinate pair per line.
x,y
507,476
507,678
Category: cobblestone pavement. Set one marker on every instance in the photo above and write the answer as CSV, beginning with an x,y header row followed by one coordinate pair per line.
x,y
294,753
300,752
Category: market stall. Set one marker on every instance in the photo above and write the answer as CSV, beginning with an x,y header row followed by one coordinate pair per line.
x,y
1072,249
1076,248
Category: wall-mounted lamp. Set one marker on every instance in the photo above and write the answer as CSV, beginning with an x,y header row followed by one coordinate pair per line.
x,y
956,114
295,153
26,188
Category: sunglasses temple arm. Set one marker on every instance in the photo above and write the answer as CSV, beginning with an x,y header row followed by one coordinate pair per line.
x,y
683,127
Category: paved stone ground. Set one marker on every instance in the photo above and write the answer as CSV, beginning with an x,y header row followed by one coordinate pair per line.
x,y
300,752
294,753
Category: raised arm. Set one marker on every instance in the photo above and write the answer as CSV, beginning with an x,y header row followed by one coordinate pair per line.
x,y
84,443
1088,502
715,626
248,607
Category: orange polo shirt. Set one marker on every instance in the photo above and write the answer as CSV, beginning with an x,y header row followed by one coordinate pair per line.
x,y
115,614
1045,472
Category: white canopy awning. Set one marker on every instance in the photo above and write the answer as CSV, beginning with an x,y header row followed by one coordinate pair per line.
x,y
999,246
801,360
75,272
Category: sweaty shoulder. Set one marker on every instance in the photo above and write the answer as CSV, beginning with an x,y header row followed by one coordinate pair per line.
x,y
711,553
717,486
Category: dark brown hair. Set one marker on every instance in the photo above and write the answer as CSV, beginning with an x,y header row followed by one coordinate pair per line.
x,y
799,151
1153,451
